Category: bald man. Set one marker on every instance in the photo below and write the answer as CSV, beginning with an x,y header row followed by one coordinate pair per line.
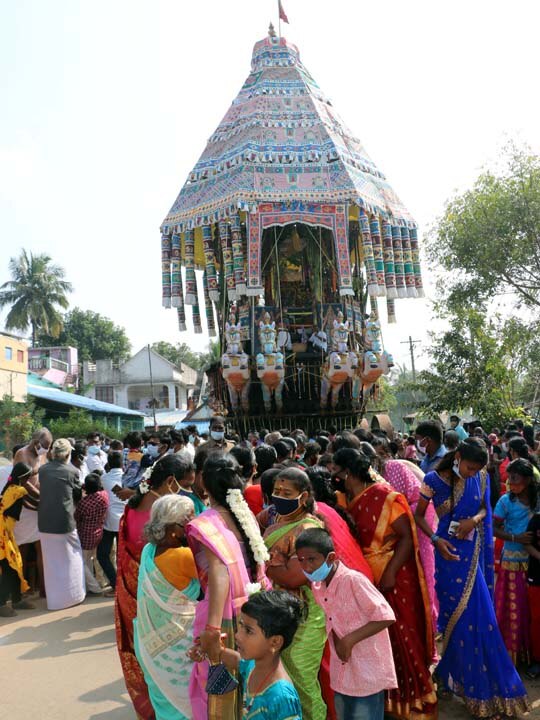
x,y
35,453
26,532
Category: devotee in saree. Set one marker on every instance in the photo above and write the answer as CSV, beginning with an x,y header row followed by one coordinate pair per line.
x,y
387,536
229,554
459,490
161,481
166,600
295,507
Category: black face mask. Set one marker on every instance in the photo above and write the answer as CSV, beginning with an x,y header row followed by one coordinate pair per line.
x,y
338,483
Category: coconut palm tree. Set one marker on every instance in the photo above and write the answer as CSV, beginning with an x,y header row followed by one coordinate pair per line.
x,y
35,292
211,356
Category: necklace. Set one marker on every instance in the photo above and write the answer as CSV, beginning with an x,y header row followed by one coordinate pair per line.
x,y
259,688
155,494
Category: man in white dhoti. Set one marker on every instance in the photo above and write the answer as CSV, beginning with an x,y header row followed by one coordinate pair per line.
x,y
63,566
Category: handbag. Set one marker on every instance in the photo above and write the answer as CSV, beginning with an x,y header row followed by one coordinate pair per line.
x,y
220,681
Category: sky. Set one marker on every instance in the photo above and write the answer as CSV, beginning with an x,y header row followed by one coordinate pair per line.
x,y
106,106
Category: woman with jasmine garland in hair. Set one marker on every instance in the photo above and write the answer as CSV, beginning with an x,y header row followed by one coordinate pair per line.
x,y
157,481
229,554
475,664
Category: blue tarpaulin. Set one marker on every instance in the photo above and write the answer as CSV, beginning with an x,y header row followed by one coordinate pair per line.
x,y
80,401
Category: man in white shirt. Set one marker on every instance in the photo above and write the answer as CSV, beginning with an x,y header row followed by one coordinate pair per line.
x,y
96,459
318,340
111,480
180,444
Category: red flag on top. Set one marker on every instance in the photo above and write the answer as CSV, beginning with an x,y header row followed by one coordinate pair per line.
x,y
282,13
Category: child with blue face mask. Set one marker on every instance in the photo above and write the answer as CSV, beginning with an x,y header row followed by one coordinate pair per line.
x,y
357,618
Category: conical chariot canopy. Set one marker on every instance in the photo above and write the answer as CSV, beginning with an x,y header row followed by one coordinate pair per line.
x,y
280,141
281,156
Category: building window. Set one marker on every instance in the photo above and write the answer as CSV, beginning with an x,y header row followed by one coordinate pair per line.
x,y
105,393
8,353
20,356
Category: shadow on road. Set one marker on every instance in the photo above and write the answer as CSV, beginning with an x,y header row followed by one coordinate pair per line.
x,y
61,635
113,692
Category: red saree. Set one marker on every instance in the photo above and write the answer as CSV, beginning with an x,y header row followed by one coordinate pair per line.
x,y
125,610
374,511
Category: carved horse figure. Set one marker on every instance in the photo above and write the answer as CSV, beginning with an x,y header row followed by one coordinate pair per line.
x,y
341,364
270,365
375,361
235,366
372,334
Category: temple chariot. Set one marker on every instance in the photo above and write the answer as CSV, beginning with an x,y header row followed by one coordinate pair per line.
x,y
299,238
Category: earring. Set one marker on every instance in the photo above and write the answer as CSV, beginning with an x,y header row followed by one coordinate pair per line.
x,y
173,535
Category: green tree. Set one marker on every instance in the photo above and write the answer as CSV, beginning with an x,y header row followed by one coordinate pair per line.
x,y
18,421
407,397
477,364
78,424
211,356
489,237
180,353
36,291
95,336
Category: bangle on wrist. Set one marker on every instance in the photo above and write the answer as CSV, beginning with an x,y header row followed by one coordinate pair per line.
x,y
434,538
213,627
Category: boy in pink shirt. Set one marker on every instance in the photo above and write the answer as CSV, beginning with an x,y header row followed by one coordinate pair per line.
x,y
357,615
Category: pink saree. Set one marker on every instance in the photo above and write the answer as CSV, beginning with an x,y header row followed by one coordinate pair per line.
x,y
401,478
210,531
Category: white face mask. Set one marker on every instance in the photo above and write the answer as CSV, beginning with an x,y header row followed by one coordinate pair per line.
x,y
217,435
41,450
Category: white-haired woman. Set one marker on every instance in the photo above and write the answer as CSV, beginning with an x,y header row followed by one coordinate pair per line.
x,y
167,595
63,567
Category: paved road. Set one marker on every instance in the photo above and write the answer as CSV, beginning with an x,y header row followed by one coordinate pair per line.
x,y
64,664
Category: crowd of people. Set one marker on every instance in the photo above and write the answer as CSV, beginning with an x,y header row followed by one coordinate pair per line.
x,y
343,575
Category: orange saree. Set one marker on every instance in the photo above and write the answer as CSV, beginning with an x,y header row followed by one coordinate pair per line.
x,y
130,545
374,511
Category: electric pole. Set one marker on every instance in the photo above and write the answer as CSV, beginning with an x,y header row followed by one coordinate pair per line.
x,y
411,343
152,387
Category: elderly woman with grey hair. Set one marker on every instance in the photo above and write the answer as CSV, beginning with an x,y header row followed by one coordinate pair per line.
x,y
63,567
167,594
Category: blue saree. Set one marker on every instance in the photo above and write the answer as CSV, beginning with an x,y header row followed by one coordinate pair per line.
x,y
475,664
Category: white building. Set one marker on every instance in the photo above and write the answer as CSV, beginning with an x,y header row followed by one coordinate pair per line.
x,y
129,384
